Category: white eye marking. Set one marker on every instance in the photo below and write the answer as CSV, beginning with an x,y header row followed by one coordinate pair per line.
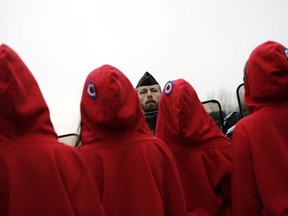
x,y
286,52
91,90
168,87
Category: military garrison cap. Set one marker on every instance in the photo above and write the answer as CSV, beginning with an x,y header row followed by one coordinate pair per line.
x,y
146,80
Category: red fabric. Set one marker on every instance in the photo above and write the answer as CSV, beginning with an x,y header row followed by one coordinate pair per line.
x,y
202,151
266,77
38,175
134,170
260,140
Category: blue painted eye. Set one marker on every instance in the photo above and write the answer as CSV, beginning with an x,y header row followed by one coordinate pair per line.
x,y
91,90
168,87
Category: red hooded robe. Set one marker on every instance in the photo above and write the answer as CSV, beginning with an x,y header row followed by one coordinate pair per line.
x,y
260,140
38,175
138,175
201,150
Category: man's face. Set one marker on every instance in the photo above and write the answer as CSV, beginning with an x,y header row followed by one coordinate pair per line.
x,y
149,97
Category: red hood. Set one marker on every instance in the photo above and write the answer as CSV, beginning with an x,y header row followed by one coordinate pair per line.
x,y
183,120
110,107
266,79
24,113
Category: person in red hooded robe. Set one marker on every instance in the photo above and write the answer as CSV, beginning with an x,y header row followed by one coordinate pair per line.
x,y
201,150
38,175
138,174
260,140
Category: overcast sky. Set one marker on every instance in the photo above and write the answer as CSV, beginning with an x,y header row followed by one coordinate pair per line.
x,y
206,42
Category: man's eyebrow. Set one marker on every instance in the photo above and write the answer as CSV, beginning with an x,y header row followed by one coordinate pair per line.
x,y
154,88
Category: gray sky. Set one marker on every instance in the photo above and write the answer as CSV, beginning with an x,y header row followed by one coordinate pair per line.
x,y
206,42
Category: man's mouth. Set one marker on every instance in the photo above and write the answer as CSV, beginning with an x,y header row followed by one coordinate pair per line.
x,y
150,101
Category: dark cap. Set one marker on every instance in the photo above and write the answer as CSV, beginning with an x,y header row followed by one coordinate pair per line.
x,y
146,80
